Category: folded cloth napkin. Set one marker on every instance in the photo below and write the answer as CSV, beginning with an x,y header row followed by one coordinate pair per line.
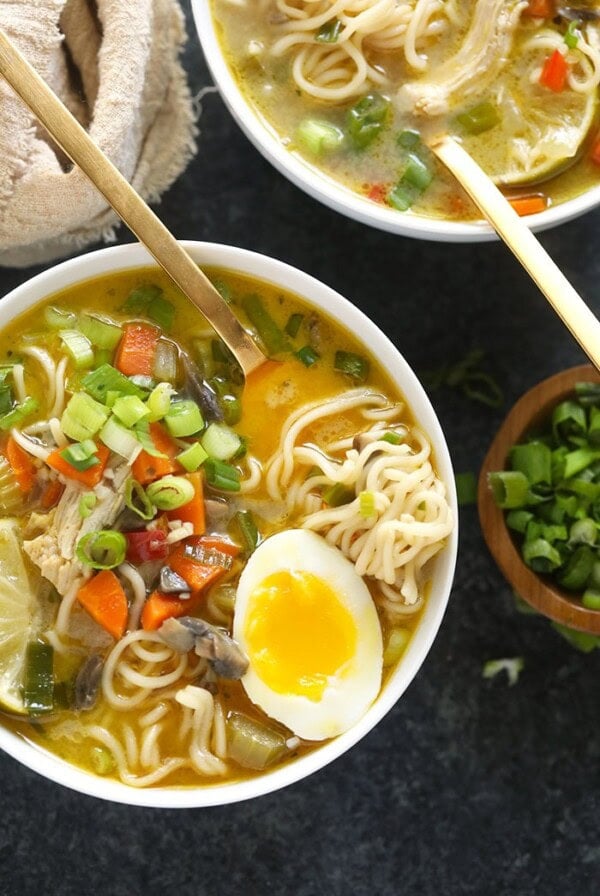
x,y
115,64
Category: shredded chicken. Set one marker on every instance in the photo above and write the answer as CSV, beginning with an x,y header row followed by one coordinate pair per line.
x,y
53,536
479,60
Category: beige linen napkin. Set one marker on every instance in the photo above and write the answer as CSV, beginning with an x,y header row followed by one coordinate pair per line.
x,y
115,64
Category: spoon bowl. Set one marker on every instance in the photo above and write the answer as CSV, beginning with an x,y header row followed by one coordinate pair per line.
x,y
539,591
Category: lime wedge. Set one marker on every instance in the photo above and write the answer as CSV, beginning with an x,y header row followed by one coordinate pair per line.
x,y
17,616
540,131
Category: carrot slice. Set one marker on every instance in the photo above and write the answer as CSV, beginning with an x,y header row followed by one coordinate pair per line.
x,y
159,607
199,574
193,511
147,468
51,493
541,9
21,464
104,599
137,348
554,72
529,205
89,477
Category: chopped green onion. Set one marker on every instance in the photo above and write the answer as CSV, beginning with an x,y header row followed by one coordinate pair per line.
x,y
338,494
397,642
540,555
572,34
220,442
193,457
102,550
568,420
83,417
102,760
466,488
101,333
222,476
393,438
402,196
510,488
533,459
518,520
307,355
352,365
18,413
578,569
582,641
119,439
319,137
366,118
87,503
81,455
130,410
366,504
273,338
417,173
409,139
329,32
591,599
170,492
137,500
578,460
57,319
38,680
183,418
246,524
78,347
159,401
108,379
583,531
232,409
252,744
292,328
513,666
480,118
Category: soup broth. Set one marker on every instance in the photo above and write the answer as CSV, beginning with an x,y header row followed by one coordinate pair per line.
x,y
106,685
354,88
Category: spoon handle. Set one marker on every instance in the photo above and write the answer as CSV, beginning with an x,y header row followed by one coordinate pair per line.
x,y
567,303
130,207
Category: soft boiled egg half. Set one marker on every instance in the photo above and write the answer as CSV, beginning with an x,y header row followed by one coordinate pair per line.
x,y
309,627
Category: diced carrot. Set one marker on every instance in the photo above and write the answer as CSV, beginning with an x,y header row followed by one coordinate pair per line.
x,y
51,494
377,192
595,153
193,511
199,574
529,205
147,468
541,9
22,465
104,599
89,477
159,606
554,72
137,348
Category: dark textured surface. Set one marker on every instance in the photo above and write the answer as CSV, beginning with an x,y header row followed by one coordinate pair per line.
x,y
468,786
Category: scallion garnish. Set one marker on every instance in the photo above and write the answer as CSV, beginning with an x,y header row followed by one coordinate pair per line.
x,y
78,347
466,488
170,492
102,550
81,455
137,500
38,682
183,419
482,117
366,504
101,333
270,334
16,416
83,417
222,476
246,525
366,118
307,355
87,503
352,365
329,32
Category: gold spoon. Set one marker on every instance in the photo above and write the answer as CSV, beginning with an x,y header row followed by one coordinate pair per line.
x,y
131,208
567,303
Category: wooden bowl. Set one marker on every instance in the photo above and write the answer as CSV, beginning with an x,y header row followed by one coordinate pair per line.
x,y
539,591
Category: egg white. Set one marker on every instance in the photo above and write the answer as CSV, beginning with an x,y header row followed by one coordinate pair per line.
x,y
346,696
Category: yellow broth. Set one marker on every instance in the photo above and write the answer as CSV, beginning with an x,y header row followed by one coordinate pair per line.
x,y
270,396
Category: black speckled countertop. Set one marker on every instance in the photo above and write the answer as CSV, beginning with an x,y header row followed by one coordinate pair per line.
x,y
468,786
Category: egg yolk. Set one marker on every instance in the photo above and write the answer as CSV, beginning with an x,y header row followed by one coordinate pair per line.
x,y
298,632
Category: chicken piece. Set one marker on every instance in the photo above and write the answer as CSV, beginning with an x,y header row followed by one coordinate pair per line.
x,y
53,549
483,52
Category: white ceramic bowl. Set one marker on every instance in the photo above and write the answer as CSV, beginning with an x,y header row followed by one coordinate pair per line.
x,y
333,194
275,272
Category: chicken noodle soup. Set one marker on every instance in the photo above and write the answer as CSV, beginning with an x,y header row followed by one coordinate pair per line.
x,y
354,87
201,579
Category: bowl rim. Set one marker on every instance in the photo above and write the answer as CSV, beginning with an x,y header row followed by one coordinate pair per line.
x,y
270,270
334,195
539,592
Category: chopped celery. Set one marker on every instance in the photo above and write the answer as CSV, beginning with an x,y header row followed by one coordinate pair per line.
x,y
108,379
58,319
83,417
101,333
220,442
159,401
130,409
252,744
78,347
166,361
193,457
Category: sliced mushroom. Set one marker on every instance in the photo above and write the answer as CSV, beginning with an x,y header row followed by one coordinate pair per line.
x,y
214,644
171,582
87,682
199,390
580,13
